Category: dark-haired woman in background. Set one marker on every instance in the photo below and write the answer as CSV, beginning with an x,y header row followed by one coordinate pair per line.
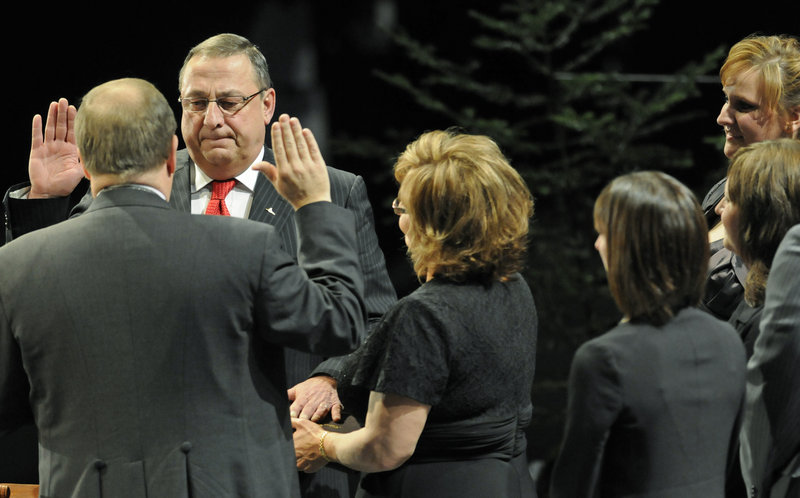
x,y
447,374
761,204
653,403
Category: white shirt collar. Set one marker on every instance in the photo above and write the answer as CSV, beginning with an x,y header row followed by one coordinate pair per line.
x,y
246,178
136,186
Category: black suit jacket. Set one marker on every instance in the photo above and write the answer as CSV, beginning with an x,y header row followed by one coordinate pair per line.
x,y
159,372
653,411
347,190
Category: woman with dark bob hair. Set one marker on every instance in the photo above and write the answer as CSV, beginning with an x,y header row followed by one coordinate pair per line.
x,y
761,204
653,403
442,386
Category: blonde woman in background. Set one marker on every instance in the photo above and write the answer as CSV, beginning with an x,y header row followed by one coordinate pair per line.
x,y
761,83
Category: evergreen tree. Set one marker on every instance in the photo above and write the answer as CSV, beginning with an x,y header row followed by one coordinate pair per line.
x,y
545,80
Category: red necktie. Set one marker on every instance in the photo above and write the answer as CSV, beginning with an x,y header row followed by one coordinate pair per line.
x,y
219,191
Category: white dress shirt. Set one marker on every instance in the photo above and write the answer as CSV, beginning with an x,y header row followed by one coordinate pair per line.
x,y
238,200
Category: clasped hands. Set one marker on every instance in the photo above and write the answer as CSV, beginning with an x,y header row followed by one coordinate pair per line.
x,y
311,400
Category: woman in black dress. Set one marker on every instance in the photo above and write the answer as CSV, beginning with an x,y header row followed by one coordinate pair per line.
x,y
653,403
446,377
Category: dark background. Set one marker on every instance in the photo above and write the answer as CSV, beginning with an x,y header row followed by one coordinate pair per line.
x,y
322,58
321,54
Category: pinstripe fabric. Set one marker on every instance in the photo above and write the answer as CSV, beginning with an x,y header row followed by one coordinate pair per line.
x,y
770,439
21,216
349,191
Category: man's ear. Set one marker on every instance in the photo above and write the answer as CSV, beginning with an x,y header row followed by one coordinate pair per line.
x,y
268,105
83,163
172,159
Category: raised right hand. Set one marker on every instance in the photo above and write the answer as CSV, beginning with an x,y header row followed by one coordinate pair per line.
x,y
299,173
54,167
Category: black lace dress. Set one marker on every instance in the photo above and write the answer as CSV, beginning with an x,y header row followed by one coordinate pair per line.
x,y
468,351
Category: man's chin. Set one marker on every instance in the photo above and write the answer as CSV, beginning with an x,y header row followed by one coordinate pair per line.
x,y
218,157
219,166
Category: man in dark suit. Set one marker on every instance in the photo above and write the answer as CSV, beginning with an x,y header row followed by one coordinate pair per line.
x,y
770,439
222,145
160,371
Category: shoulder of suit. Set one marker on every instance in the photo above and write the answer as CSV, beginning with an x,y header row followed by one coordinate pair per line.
x,y
340,175
231,224
181,159
794,233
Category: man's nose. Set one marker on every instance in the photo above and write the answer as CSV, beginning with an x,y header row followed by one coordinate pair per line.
x,y
214,116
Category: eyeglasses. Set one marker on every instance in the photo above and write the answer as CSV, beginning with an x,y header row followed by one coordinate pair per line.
x,y
228,105
397,208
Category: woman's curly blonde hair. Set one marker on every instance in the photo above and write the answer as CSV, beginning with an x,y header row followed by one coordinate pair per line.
x,y
469,209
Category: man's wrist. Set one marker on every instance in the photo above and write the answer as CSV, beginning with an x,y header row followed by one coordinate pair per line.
x,y
327,378
20,193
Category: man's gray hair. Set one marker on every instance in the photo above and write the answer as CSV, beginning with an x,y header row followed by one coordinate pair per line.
x,y
229,45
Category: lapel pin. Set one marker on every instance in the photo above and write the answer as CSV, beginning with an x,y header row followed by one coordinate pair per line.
x,y
270,211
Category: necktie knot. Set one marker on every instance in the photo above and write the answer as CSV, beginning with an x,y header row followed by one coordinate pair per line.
x,y
219,190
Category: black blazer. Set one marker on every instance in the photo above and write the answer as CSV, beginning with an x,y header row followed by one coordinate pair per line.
x,y
653,411
160,371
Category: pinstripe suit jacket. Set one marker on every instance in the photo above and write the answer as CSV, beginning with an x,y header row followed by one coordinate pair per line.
x,y
770,439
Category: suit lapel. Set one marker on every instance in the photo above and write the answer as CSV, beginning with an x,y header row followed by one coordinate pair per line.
x,y
181,195
268,206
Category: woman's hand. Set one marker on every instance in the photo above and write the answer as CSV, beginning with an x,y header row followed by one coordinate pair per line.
x,y
307,436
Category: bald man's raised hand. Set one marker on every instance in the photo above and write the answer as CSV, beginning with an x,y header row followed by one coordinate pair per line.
x,y
54,167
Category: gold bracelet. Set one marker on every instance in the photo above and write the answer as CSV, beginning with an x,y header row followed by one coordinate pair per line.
x,y
322,447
